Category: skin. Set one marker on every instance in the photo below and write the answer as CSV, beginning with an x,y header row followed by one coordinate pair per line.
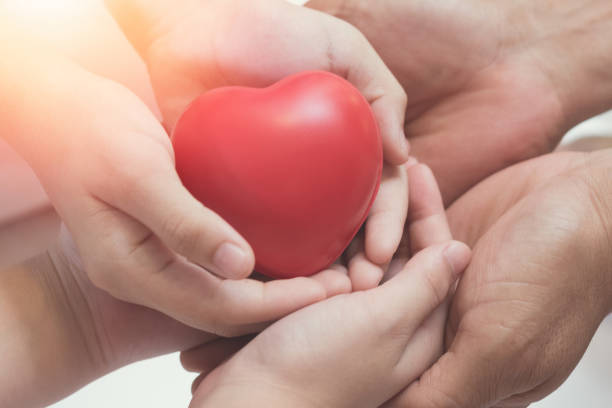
x,y
67,332
224,42
541,232
489,84
396,330
142,237
547,208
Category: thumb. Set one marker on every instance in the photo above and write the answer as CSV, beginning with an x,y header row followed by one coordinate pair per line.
x,y
421,286
464,377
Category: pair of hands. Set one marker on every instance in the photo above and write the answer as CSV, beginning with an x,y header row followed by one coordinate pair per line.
x,y
142,236
171,249
392,326
537,287
442,115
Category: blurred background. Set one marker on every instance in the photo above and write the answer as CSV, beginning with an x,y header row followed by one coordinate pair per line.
x,y
26,216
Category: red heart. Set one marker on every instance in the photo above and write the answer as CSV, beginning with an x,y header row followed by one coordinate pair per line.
x,y
293,167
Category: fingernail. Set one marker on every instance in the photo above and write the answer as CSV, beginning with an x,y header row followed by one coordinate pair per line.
x,y
232,261
458,256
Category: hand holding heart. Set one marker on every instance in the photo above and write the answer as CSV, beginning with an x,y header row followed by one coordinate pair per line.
x,y
294,167
377,341
225,48
143,237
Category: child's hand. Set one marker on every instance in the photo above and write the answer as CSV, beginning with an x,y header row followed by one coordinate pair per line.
x,y
196,46
60,332
108,167
355,350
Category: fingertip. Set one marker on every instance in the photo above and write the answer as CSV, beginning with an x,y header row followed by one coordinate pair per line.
x,y
383,236
233,261
311,291
379,248
364,274
335,281
457,256
396,152
186,363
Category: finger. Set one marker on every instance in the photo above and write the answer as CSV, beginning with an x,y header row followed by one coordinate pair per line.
x,y
196,383
427,222
136,174
424,348
421,286
461,378
385,224
334,280
160,201
124,258
326,43
205,358
357,60
364,274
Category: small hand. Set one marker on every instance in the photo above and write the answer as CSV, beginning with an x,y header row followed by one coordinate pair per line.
x,y
108,167
352,350
200,46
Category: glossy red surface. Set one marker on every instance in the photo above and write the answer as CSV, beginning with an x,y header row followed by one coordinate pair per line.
x,y
293,167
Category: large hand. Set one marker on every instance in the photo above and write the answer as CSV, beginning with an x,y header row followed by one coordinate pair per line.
x,y
486,82
353,350
539,284
197,46
107,165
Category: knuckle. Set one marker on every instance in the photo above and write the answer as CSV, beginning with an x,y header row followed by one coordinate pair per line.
x,y
187,237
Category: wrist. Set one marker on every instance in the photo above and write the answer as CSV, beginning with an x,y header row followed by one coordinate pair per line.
x,y
569,42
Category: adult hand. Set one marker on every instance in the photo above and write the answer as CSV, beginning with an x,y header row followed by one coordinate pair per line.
x,y
196,46
352,350
538,286
488,83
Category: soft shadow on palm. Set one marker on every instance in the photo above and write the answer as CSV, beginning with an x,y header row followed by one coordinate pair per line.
x,y
500,117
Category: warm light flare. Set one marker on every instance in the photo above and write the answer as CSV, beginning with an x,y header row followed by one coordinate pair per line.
x,y
44,8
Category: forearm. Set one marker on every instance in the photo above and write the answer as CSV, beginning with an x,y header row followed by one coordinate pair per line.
x,y
44,353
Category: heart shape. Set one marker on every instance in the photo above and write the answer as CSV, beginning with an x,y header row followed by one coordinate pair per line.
x,y
294,167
